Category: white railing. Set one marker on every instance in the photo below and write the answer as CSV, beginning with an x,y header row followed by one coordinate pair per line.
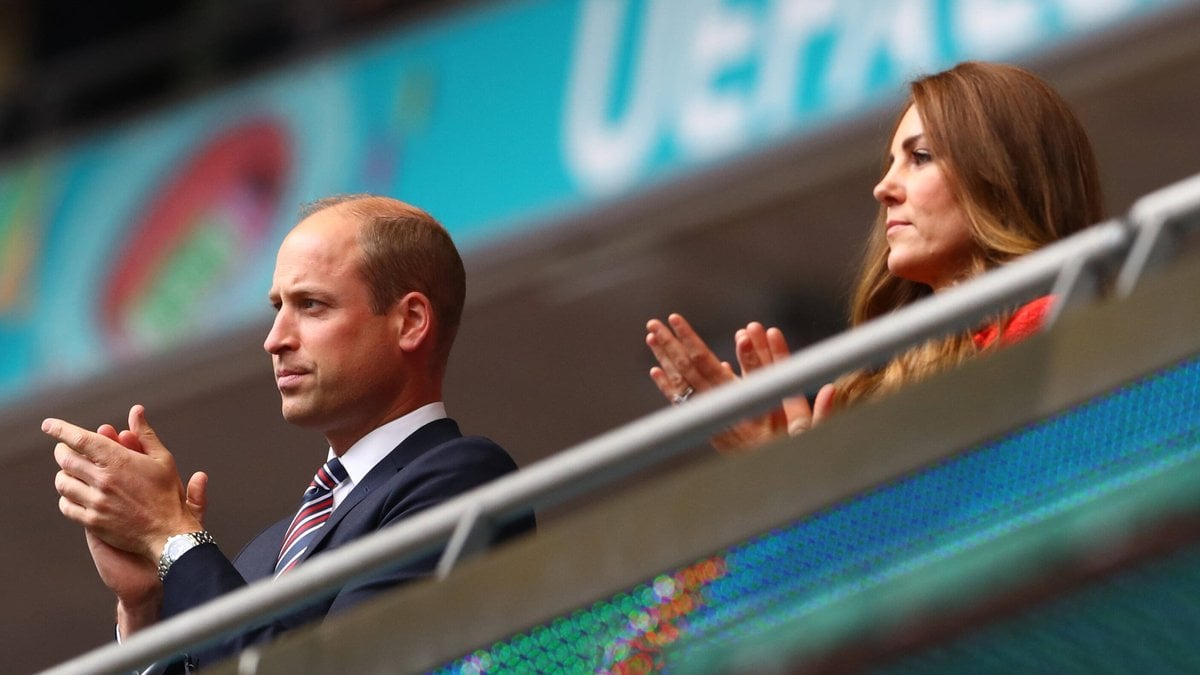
x,y
1115,253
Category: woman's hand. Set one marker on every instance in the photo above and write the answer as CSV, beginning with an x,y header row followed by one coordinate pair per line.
x,y
758,347
687,366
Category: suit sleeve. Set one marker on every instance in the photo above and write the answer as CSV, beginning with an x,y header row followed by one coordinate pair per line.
x,y
434,478
204,573
200,575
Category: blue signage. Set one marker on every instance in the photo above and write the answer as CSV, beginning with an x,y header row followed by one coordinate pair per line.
x,y
164,230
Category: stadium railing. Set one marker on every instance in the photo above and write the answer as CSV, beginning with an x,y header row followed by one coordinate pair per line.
x,y
1116,254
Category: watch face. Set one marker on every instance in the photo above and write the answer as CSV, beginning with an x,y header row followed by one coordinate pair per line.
x,y
177,546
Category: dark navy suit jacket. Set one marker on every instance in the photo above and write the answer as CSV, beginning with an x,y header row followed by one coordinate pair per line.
x,y
432,465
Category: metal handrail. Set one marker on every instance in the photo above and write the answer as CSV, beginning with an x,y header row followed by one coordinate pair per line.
x,y
1162,218
661,435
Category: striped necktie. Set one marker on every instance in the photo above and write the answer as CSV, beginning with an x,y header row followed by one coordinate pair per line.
x,y
314,511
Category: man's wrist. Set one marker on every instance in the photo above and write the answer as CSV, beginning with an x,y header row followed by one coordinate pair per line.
x,y
133,616
177,545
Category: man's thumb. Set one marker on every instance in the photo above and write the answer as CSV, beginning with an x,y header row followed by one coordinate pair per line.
x,y
197,495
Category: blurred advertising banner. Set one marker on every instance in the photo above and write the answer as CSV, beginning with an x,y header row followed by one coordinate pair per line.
x,y
164,230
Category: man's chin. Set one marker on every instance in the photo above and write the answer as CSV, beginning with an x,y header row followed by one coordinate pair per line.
x,y
297,414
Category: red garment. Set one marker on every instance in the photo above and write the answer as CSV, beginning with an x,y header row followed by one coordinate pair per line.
x,y
1024,322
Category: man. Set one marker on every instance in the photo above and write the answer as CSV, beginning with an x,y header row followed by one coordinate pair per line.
x,y
368,293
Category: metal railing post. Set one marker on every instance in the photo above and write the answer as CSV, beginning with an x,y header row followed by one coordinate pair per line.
x,y
1066,267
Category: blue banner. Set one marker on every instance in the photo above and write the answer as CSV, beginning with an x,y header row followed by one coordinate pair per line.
x,y
164,229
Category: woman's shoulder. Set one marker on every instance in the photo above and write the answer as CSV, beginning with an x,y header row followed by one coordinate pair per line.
x,y
1027,320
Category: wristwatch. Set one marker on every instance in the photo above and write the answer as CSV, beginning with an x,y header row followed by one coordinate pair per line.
x,y
176,546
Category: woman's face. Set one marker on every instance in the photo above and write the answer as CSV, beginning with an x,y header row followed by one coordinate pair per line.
x,y
927,234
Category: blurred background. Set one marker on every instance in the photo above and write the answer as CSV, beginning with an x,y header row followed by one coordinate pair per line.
x,y
600,162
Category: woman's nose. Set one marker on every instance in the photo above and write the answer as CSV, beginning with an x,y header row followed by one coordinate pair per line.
x,y
888,191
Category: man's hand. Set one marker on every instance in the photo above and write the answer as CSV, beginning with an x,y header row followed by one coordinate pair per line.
x,y
126,490
132,578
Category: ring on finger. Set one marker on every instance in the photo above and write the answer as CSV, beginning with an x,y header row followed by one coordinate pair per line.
x,y
683,395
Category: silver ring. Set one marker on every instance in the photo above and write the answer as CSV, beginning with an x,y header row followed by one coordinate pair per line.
x,y
685,395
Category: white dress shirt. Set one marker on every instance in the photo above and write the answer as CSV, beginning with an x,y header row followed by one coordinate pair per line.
x,y
366,453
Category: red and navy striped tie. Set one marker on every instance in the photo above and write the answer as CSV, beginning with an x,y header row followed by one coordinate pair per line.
x,y
314,511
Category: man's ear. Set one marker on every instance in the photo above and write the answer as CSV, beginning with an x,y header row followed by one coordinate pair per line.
x,y
413,316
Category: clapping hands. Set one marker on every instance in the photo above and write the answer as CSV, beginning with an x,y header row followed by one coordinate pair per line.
x,y
686,366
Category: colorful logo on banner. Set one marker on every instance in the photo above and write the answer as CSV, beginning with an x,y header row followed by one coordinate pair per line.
x,y
20,231
137,237
24,195
203,221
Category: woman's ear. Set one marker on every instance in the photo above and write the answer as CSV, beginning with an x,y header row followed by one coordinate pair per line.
x,y
413,318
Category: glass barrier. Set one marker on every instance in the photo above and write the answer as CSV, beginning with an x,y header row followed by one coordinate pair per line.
x,y
962,529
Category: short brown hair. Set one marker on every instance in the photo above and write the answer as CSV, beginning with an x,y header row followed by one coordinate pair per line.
x,y
405,249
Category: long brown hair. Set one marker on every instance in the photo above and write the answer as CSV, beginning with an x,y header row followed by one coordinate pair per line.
x,y
1021,167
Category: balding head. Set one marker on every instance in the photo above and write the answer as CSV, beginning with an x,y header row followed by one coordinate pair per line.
x,y
405,249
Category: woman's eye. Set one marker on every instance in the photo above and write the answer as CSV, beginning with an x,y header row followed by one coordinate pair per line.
x,y
921,157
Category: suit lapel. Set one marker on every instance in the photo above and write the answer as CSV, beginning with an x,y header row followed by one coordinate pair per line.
x,y
418,443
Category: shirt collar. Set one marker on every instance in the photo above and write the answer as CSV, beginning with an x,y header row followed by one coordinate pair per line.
x,y
366,453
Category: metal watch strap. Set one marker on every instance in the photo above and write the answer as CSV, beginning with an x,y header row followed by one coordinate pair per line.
x,y
168,558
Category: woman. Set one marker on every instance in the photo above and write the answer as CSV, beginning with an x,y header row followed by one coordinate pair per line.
x,y
986,163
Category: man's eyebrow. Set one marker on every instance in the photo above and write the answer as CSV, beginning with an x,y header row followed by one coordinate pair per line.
x,y
299,290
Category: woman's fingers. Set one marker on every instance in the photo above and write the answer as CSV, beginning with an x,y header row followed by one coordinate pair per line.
x,y
824,402
665,385
666,375
685,362
696,362
801,416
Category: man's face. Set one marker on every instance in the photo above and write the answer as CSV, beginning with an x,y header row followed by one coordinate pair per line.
x,y
337,364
